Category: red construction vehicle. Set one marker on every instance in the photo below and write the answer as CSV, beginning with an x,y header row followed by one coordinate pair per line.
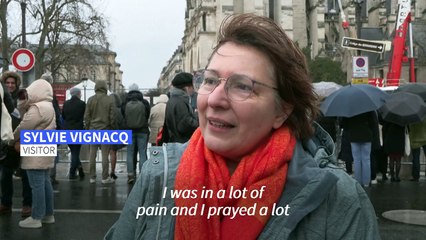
x,y
399,49
402,25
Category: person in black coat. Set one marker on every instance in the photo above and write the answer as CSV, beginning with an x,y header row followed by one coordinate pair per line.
x,y
180,118
394,146
73,115
11,81
360,132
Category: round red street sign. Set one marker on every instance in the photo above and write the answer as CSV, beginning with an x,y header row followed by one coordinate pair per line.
x,y
23,59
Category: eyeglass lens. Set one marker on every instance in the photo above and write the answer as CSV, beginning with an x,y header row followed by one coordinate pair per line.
x,y
237,87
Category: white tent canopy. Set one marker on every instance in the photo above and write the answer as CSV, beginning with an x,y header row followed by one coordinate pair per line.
x,y
87,88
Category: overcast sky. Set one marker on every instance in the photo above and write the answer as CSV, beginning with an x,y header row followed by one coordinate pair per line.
x,y
144,34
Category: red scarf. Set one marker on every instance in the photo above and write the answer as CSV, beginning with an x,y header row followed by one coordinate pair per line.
x,y
201,169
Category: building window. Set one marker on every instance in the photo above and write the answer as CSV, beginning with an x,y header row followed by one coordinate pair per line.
x,y
204,22
271,9
381,73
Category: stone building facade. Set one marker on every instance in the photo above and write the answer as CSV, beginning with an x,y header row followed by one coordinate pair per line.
x,y
315,24
100,64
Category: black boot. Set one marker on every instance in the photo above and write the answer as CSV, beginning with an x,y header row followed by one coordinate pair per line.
x,y
71,174
81,172
392,170
397,170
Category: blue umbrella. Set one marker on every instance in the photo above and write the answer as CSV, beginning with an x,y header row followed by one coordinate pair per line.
x,y
352,100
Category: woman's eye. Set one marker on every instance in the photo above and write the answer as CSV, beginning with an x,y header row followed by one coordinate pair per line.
x,y
242,87
210,81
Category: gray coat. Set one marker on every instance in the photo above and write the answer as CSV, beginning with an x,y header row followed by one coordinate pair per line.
x,y
325,203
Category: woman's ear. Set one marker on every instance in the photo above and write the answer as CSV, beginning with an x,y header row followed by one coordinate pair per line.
x,y
282,114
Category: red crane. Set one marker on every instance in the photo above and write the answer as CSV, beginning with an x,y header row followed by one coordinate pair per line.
x,y
403,24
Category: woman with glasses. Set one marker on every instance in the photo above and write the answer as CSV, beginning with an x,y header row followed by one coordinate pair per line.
x,y
257,167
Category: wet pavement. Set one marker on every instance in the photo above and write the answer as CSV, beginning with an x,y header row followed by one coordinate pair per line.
x,y
86,211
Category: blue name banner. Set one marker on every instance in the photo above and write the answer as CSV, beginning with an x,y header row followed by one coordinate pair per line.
x,y
76,137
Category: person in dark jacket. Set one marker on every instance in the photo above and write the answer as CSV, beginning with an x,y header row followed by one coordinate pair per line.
x,y
12,81
393,146
329,125
73,115
360,133
119,124
139,135
181,120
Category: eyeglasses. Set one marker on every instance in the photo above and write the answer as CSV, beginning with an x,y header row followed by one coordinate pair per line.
x,y
237,87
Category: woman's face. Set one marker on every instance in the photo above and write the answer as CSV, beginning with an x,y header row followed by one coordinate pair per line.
x,y
235,128
10,84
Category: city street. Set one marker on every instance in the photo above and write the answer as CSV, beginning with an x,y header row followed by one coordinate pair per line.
x,y
86,211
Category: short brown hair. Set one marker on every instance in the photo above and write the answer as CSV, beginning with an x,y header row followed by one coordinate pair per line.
x,y
289,64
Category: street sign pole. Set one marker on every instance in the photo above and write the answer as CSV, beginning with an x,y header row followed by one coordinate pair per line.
x,y
363,45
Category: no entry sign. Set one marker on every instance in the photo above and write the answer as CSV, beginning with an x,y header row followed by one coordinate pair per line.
x,y
23,59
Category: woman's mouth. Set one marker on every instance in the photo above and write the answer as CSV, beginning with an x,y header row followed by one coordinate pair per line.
x,y
220,124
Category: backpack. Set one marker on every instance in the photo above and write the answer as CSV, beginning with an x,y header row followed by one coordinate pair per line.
x,y
134,114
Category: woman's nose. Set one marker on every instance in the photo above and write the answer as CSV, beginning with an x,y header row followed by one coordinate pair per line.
x,y
218,97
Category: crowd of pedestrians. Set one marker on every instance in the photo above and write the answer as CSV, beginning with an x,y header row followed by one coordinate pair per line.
x,y
36,107
371,145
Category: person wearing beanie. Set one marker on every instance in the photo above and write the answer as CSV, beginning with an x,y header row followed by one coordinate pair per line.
x,y
47,76
133,87
75,92
73,116
180,119
140,110
182,80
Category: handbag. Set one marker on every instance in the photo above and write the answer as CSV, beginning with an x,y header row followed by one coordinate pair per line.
x,y
407,148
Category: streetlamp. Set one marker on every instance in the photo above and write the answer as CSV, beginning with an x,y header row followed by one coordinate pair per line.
x,y
84,81
24,40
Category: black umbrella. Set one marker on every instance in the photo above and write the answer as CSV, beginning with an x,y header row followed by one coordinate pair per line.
x,y
403,108
352,100
416,88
